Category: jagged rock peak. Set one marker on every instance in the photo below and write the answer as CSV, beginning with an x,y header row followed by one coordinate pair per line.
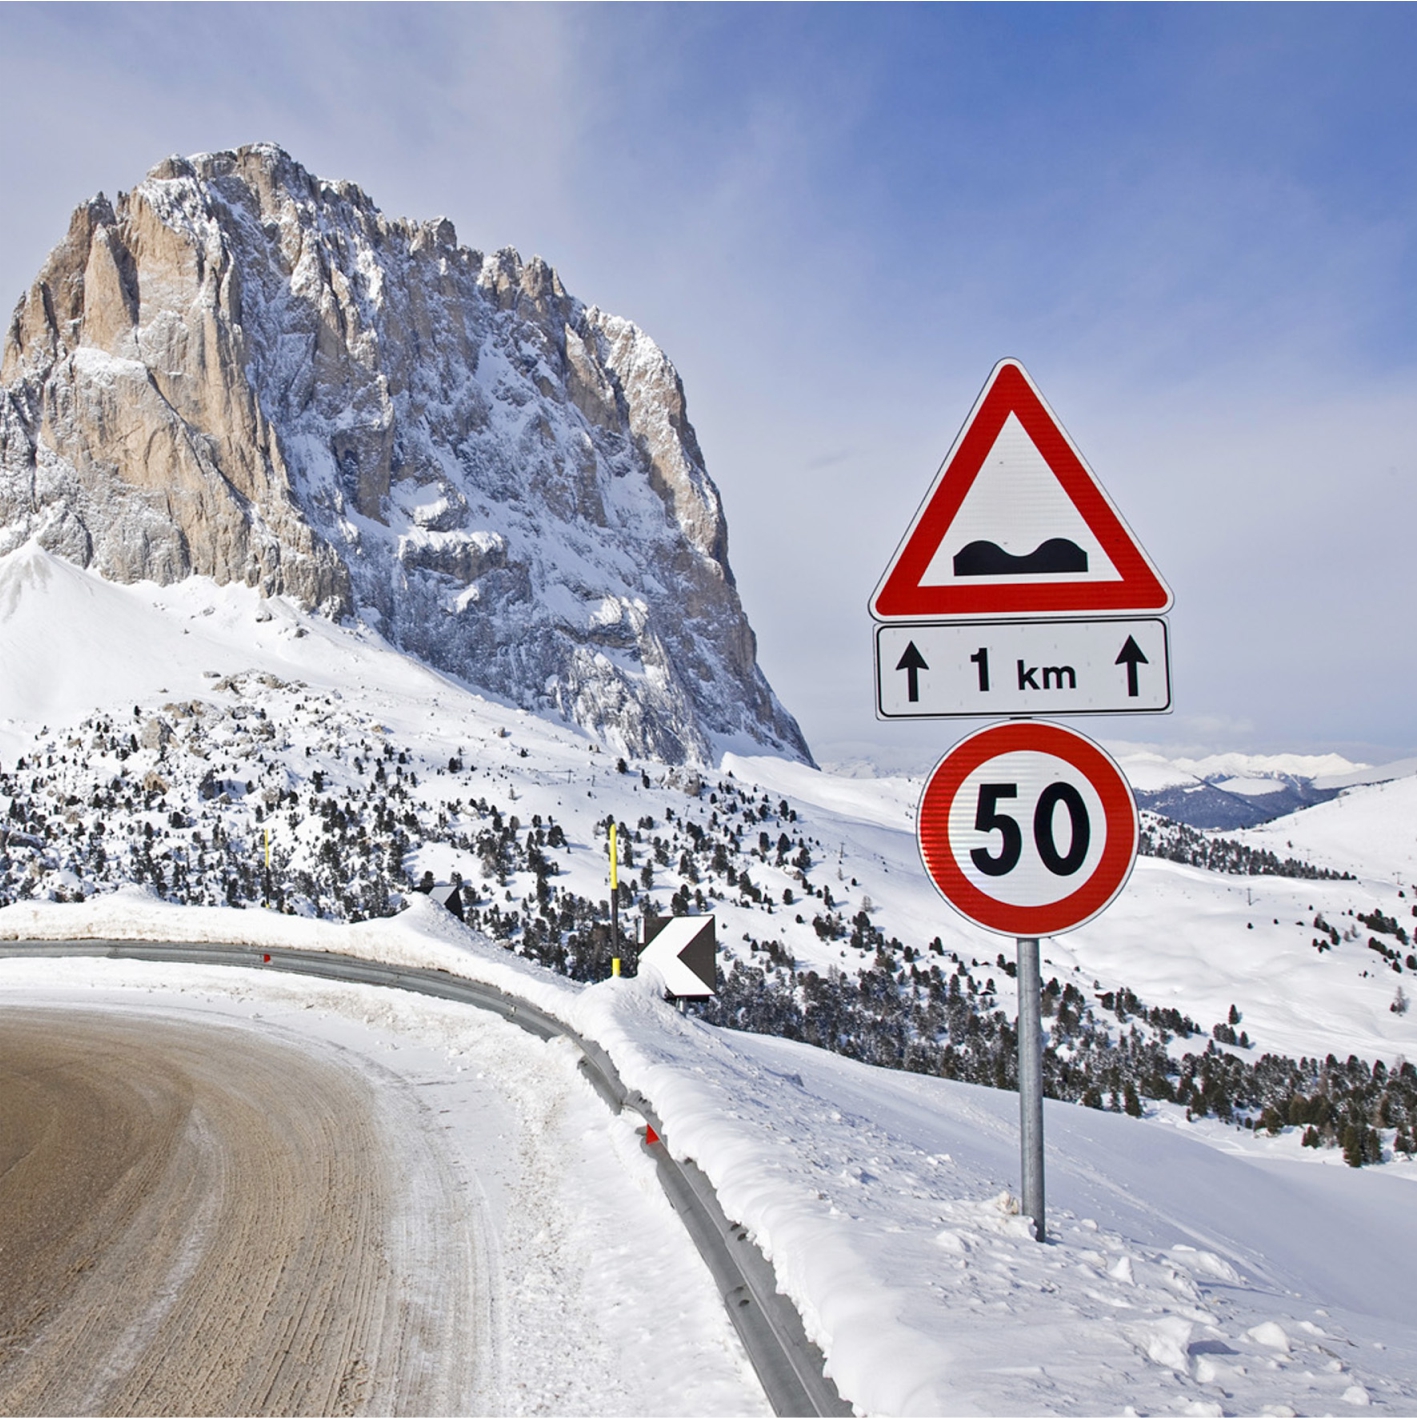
x,y
243,371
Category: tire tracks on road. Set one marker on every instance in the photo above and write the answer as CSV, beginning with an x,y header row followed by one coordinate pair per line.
x,y
217,1207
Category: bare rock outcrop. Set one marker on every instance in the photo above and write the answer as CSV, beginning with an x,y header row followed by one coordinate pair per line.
x,y
241,371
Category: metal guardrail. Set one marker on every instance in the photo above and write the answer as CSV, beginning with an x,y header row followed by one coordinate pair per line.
x,y
789,1366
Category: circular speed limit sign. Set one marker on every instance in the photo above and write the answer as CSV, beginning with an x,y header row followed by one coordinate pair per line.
x,y
1027,828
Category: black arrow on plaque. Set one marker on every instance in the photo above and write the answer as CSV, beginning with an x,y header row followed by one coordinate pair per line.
x,y
1131,656
912,662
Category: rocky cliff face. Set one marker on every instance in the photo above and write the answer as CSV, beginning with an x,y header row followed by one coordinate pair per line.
x,y
241,371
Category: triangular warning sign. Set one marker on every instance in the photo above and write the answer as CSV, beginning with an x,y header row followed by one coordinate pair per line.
x,y
1016,524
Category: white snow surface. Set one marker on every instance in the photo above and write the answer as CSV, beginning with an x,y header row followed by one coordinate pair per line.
x,y
128,644
1189,1270
1356,777
875,1194
1370,830
1195,940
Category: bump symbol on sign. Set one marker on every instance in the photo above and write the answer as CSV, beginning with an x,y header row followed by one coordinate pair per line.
x,y
1016,524
1059,555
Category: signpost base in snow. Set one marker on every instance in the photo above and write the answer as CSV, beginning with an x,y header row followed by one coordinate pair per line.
x,y
1030,1081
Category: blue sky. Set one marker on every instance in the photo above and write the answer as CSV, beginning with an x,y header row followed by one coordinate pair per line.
x,y
1195,225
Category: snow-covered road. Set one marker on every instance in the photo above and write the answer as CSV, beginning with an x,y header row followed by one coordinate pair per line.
x,y
1192,1268
255,1193
202,1217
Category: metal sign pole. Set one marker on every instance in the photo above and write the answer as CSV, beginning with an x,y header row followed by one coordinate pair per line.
x,y
1030,1081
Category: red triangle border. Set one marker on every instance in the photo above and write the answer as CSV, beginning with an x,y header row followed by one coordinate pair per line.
x,y
900,596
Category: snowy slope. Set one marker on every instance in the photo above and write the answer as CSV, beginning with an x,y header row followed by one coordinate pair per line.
x,y
73,642
1188,1270
1194,940
1178,936
185,725
1369,830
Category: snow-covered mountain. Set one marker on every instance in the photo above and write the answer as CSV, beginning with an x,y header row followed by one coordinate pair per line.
x,y
241,371
1237,790
241,671
185,723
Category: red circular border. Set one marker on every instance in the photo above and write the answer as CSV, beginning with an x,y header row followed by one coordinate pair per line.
x,y
1108,877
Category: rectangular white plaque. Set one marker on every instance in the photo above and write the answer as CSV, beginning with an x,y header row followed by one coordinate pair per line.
x,y
976,669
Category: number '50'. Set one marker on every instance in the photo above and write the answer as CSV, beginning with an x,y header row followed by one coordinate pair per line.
x,y
988,818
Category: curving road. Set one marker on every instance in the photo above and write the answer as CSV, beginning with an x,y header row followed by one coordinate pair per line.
x,y
202,1220
464,1324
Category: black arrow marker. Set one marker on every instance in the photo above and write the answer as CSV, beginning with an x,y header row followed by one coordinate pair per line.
x,y
912,662
1131,656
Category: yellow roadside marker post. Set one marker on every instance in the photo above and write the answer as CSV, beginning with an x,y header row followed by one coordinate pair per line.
x,y
614,906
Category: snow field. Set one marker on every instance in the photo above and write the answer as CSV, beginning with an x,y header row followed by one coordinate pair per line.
x,y
1202,941
1178,936
875,1194
1371,832
883,1200
1174,937
1178,1274
371,770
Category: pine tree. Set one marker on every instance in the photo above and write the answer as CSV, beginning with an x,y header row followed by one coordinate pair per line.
x,y
1352,1142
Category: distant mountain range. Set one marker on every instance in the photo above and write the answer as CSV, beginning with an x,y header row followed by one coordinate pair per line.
x,y
1233,790
1207,804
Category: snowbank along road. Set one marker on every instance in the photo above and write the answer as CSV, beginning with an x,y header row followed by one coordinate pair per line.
x,y
1191,1270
